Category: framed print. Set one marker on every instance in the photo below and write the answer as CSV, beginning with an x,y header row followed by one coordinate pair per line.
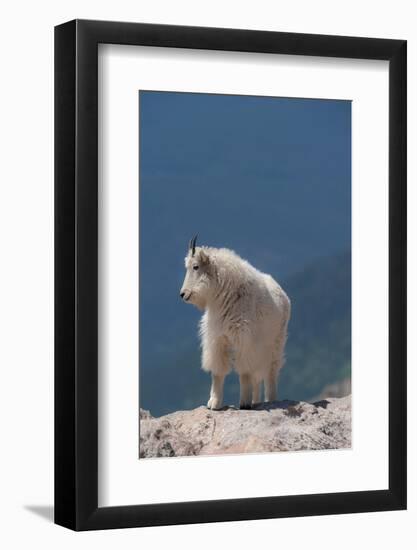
x,y
230,274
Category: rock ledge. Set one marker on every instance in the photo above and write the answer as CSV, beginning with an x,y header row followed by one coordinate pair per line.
x,y
276,426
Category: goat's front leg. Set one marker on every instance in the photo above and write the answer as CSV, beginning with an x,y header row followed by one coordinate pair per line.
x,y
216,392
215,360
245,391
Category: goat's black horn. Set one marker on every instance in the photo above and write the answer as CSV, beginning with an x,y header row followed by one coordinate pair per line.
x,y
191,245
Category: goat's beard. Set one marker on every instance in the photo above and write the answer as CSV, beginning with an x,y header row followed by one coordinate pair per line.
x,y
198,300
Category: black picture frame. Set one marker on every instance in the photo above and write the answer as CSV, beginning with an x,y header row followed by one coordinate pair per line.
x,y
76,272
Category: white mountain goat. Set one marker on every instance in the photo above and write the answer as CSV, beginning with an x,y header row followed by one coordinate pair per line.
x,y
244,325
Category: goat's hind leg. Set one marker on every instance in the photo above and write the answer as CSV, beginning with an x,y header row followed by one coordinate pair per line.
x,y
256,391
271,380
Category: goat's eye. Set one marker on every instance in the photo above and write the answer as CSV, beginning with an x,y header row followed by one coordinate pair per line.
x,y
195,267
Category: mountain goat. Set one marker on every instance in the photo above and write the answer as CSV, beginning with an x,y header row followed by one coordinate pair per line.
x,y
244,325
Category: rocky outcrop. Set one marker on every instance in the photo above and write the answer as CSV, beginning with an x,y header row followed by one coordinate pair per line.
x,y
276,426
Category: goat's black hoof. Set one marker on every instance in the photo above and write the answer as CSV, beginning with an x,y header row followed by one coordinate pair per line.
x,y
245,407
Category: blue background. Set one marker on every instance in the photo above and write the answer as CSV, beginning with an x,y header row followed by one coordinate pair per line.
x,y
269,178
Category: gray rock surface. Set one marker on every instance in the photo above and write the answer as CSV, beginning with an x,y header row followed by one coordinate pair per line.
x,y
277,426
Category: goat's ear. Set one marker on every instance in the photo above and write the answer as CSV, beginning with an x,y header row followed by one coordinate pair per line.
x,y
204,257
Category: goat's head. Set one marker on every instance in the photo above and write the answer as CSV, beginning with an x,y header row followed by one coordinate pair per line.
x,y
196,286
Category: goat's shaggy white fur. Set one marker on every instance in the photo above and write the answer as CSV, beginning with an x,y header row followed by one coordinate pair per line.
x,y
244,325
